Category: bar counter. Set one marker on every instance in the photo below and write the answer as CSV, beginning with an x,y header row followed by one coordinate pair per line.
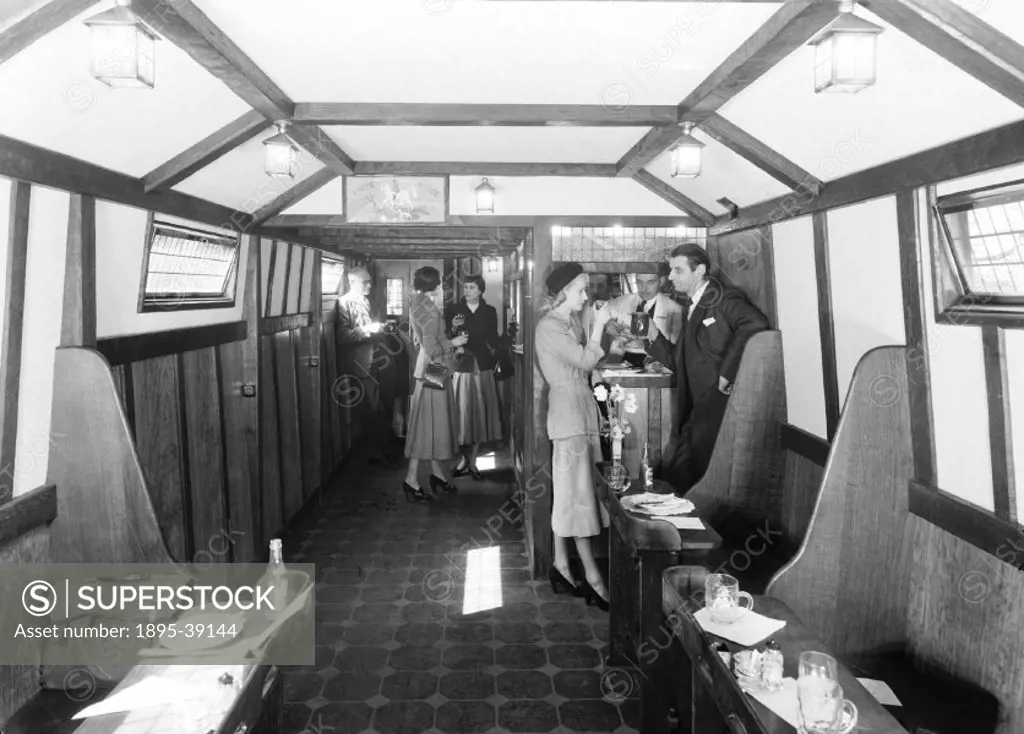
x,y
656,396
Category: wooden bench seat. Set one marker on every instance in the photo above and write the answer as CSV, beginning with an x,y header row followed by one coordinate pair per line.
x,y
50,712
741,494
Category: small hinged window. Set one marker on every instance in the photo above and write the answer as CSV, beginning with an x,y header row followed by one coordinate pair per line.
x,y
331,274
395,296
188,267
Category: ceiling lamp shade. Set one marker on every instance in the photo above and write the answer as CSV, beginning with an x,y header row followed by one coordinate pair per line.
x,y
282,154
845,53
485,198
123,48
687,154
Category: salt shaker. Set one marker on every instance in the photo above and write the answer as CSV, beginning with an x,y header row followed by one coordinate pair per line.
x,y
771,666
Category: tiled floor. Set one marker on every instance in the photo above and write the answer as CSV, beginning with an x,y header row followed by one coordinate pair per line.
x,y
395,653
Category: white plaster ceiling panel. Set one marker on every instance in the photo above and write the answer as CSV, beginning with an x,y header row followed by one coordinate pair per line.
x,y
555,195
50,99
723,173
239,180
487,52
1006,16
486,143
918,102
12,11
325,200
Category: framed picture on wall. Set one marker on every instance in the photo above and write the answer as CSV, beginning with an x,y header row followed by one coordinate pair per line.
x,y
396,199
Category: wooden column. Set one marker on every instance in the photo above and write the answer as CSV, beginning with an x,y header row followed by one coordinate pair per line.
x,y
78,323
10,350
1000,437
538,444
826,324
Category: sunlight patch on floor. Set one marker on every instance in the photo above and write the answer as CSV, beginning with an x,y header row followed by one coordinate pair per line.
x,y
483,580
487,462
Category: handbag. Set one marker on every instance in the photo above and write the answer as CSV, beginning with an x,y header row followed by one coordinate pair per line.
x,y
503,367
435,375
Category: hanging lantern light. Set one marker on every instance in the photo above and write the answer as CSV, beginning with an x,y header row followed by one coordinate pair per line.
x,y
282,153
123,48
492,265
686,154
845,53
485,198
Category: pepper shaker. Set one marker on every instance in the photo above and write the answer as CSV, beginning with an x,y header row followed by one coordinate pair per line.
x,y
771,666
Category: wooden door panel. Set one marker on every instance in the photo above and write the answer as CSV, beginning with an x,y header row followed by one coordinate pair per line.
x,y
288,423
270,463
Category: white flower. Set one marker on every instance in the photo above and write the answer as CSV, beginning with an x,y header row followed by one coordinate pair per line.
x,y
601,393
617,392
617,432
631,405
628,429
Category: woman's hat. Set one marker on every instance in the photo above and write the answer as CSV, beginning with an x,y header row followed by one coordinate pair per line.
x,y
562,276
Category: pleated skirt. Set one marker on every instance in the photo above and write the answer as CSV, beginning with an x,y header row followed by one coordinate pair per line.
x,y
476,394
433,431
575,509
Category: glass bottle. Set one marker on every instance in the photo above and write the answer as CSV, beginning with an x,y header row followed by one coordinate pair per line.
x,y
275,576
646,471
771,666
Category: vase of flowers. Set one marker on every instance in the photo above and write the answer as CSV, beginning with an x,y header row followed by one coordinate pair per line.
x,y
616,425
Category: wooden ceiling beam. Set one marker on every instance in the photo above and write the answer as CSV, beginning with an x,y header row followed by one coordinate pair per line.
x,y
512,220
985,151
753,150
790,27
961,38
513,115
206,151
297,192
386,232
474,168
188,28
37,24
674,197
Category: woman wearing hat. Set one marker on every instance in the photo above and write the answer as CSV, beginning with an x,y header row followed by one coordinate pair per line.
x,y
565,359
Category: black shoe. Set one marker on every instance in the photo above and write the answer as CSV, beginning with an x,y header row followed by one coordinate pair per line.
x,y
457,472
592,596
412,494
560,584
476,473
436,483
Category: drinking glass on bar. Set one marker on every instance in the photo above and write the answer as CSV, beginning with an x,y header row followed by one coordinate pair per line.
x,y
813,663
821,708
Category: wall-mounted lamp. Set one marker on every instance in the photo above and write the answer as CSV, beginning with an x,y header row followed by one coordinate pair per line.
x,y
492,265
484,198
846,53
123,48
282,153
687,154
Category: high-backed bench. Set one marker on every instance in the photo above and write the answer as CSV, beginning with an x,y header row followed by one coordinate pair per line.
x,y
852,580
741,494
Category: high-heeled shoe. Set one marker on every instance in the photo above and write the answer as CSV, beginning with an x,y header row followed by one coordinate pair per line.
x,y
414,494
560,584
436,483
460,471
592,597
476,473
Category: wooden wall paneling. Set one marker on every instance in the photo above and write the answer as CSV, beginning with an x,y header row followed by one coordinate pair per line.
x,y
826,323
279,278
160,449
537,464
311,261
333,425
13,316
347,412
308,361
744,260
294,292
205,453
964,614
289,425
138,347
266,255
918,378
78,322
238,364
999,430
270,463
106,511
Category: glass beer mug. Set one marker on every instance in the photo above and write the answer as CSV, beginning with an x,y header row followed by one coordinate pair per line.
x,y
821,707
724,600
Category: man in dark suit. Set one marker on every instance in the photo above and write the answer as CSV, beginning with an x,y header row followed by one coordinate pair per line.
x,y
719,320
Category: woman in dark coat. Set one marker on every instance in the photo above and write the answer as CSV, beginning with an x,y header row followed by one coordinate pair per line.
x,y
476,392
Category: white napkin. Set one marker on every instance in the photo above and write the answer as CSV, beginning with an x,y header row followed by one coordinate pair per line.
x,y
685,523
783,703
882,693
155,691
747,631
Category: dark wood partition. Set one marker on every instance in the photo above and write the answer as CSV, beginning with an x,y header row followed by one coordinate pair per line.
x,y
849,580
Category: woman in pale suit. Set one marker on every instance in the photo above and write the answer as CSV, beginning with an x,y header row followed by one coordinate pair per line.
x,y
566,359
432,433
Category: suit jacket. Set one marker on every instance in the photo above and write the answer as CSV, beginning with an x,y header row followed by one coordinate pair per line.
x,y
428,333
668,315
713,342
353,316
482,329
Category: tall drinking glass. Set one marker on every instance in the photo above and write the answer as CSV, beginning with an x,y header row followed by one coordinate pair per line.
x,y
818,664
